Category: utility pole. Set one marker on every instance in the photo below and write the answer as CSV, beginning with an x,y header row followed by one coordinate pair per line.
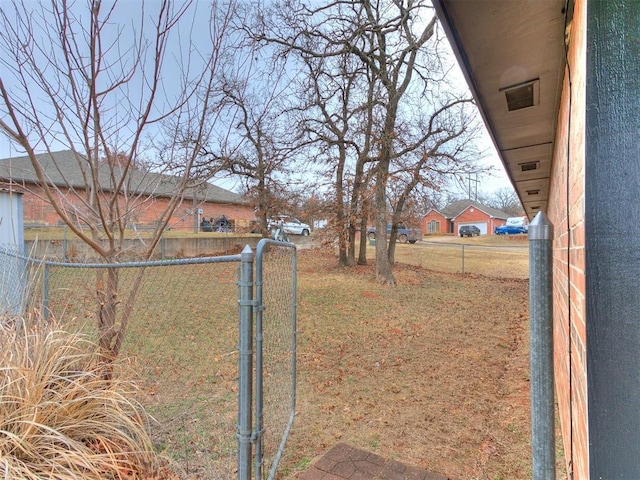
x,y
476,181
196,217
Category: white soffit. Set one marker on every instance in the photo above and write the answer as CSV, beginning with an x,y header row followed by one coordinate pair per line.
x,y
513,49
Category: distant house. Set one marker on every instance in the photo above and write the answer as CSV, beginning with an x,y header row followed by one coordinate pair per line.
x,y
435,222
462,212
149,193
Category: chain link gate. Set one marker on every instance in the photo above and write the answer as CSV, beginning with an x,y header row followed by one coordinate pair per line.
x,y
274,312
193,400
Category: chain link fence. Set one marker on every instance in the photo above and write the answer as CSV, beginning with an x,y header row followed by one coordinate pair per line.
x,y
275,353
495,261
182,341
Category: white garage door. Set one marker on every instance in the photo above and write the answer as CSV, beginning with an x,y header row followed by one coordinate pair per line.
x,y
481,225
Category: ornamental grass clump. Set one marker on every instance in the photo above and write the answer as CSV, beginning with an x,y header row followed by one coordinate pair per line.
x,y
60,416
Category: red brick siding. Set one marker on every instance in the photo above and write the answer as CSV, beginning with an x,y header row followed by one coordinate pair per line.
x,y
438,217
473,214
566,212
144,211
498,222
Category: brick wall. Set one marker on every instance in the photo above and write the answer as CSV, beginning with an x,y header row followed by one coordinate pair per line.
x,y
437,217
473,214
144,210
566,213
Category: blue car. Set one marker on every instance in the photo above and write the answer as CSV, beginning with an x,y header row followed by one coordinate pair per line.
x,y
509,230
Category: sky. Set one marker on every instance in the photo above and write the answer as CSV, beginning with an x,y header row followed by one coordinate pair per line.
x,y
487,183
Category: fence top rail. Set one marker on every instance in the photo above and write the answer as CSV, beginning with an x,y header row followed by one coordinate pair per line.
x,y
265,243
471,245
148,263
263,246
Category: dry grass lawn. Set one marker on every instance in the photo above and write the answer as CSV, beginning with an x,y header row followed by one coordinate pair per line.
x,y
492,255
432,372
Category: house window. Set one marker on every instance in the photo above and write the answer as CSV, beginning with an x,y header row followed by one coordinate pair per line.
x,y
433,227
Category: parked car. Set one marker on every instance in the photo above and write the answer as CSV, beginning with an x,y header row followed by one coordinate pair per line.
x,y
469,231
411,235
510,230
290,225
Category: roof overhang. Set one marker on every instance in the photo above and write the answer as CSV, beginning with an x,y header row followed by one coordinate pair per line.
x,y
512,54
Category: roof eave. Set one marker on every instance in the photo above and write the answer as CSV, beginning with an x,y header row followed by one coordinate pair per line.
x,y
488,62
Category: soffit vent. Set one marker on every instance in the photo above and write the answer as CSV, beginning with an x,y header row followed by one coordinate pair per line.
x,y
533,192
522,95
536,207
526,167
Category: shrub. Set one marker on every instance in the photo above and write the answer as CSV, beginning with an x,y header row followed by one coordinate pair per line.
x,y
59,415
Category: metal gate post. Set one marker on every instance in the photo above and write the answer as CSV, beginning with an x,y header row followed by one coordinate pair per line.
x,y
245,363
541,338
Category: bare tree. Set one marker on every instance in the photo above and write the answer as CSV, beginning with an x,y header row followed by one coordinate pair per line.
x,y
392,47
441,148
261,145
99,79
337,119
506,200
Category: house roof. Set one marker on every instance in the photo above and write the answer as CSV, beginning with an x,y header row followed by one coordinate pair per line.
x,y
507,49
456,208
65,169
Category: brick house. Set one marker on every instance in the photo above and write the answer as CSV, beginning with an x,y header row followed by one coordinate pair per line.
x,y
435,222
462,212
557,83
149,193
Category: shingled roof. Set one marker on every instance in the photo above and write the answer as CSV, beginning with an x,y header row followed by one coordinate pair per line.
x,y
63,169
456,208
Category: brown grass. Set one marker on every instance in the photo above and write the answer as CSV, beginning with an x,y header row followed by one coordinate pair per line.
x,y
182,344
433,372
492,255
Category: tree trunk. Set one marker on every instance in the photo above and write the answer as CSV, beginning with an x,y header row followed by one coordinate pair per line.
x,y
384,273
362,252
391,249
107,291
358,215
343,242
113,310
351,258
341,220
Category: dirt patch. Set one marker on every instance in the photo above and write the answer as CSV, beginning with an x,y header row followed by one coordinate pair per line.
x,y
432,372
